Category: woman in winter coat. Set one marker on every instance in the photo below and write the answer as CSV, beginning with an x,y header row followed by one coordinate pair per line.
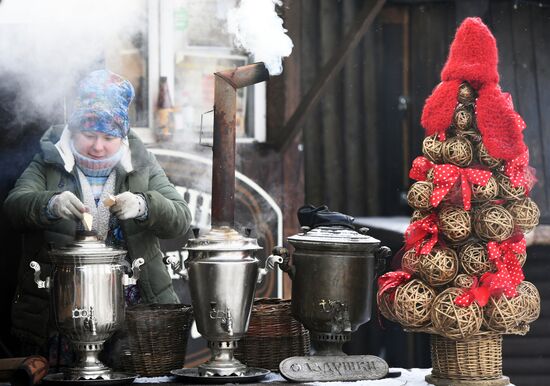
x,y
79,165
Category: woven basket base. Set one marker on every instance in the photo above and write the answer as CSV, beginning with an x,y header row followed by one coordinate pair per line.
x,y
503,381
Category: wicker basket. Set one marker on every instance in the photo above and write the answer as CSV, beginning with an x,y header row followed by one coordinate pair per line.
x,y
473,361
273,335
157,338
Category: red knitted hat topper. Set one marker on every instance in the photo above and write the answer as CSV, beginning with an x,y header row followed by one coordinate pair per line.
x,y
473,57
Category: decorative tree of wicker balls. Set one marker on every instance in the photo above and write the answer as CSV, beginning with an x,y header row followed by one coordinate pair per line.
x,y
410,260
457,151
507,190
493,222
474,259
438,267
466,94
525,213
485,193
455,223
463,281
463,118
419,195
431,148
506,315
453,321
485,158
412,304
386,306
530,299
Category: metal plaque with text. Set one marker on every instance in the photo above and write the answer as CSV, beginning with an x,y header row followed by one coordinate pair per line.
x,y
333,368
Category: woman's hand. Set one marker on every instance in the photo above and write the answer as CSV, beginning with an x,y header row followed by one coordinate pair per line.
x,y
66,205
129,205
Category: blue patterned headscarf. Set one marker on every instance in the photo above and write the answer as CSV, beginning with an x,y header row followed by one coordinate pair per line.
x,y
102,104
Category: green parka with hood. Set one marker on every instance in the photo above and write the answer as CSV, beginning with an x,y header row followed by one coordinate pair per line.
x,y
52,171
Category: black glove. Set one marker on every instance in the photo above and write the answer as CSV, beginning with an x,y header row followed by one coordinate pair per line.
x,y
310,216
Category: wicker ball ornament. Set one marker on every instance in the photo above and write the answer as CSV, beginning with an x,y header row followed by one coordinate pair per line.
x,y
412,304
505,315
457,151
530,299
485,193
525,213
439,267
418,215
463,118
431,148
485,158
507,190
410,261
493,222
466,94
474,259
463,281
455,223
386,306
419,195
453,321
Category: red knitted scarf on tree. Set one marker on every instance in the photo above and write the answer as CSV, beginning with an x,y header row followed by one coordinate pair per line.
x,y
473,58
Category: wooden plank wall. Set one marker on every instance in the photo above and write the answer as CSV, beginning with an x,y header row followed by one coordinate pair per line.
x,y
359,144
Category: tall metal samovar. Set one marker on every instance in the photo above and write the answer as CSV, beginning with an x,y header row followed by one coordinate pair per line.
x,y
87,297
222,267
333,273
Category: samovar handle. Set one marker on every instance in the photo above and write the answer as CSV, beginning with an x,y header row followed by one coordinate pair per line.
x,y
37,271
269,265
381,255
136,264
285,264
175,263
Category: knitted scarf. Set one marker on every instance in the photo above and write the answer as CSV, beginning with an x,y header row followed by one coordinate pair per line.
x,y
97,170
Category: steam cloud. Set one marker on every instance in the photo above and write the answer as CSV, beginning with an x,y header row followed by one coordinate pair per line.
x,y
259,30
48,45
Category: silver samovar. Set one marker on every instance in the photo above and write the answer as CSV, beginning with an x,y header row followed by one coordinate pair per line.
x,y
222,268
87,298
333,274
223,272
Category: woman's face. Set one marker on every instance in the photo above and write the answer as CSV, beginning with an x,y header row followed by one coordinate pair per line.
x,y
96,145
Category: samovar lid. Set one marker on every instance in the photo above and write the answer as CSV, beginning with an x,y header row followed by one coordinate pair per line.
x,y
334,235
223,238
86,246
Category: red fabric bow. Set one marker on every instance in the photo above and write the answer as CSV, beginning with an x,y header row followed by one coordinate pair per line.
x,y
520,173
446,176
475,293
420,168
391,280
417,232
509,273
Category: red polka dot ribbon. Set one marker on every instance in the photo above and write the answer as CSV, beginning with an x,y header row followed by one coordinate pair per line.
x,y
509,273
475,293
391,280
416,233
446,176
420,168
520,173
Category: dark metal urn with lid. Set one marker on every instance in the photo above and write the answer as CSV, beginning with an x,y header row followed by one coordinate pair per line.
x,y
333,274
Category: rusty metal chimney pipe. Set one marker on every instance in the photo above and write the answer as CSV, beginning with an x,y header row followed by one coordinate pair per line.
x,y
223,161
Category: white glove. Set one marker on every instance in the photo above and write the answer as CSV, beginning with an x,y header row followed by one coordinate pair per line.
x,y
129,205
66,205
